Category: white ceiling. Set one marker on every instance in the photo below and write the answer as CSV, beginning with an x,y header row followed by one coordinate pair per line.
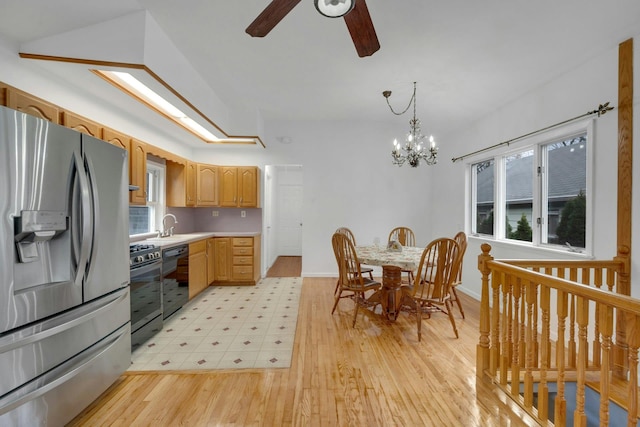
x,y
468,57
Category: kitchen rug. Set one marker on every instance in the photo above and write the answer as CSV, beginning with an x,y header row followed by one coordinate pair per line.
x,y
227,327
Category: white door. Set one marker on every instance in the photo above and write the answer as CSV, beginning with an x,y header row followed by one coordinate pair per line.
x,y
289,229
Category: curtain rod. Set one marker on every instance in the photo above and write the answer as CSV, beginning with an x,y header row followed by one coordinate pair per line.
x,y
602,109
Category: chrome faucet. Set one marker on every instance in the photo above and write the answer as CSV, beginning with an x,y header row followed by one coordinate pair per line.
x,y
169,232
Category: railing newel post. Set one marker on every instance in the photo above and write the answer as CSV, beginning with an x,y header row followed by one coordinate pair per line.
x,y
482,352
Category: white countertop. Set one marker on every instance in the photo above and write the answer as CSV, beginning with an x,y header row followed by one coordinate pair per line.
x,y
181,239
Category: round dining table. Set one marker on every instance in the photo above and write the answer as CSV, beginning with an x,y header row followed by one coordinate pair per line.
x,y
392,262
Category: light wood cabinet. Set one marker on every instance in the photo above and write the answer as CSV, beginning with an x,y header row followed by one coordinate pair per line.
x,y
117,139
29,104
207,185
138,172
211,260
197,267
237,260
239,186
222,250
190,185
193,184
3,94
81,124
242,269
181,184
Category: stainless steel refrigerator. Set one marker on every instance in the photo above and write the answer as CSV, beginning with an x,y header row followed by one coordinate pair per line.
x,y
64,270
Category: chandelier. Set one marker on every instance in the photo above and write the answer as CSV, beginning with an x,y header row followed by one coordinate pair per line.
x,y
414,149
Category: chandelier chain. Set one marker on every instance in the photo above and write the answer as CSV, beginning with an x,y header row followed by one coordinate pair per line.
x,y
413,97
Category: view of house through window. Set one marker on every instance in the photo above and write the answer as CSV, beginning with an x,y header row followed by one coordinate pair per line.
x,y
542,191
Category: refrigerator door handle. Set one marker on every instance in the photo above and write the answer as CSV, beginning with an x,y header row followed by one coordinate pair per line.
x,y
86,220
94,204
59,375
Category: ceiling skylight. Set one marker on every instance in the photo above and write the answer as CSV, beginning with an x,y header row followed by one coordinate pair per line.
x,y
134,87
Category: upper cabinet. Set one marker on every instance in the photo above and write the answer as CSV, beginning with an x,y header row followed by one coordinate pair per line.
x,y
248,187
117,139
239,186
181,184
138,172
207,185
3,95
192,170
29,104
80,124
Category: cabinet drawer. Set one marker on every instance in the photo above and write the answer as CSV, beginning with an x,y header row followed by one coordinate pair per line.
x,y
199,246
241,272
242,250
243,260
243,241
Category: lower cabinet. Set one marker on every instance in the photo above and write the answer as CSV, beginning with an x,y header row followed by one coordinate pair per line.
x,y
211,260
237,260
197,267
222,251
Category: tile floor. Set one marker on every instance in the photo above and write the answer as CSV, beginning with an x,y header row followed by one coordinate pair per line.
x,y
228,327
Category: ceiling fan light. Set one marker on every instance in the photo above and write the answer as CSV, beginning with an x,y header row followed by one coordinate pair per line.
x,y
334,8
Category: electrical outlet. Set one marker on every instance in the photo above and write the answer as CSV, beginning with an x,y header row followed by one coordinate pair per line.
x,y
214,213
243,214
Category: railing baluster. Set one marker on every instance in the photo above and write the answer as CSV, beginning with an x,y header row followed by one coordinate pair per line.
x,y
582,317
633,337
505,356
560,410
515,361
543,389
597,346
530,296
606,328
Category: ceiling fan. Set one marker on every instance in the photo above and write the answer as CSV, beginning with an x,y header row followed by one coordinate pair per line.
x,y
355,12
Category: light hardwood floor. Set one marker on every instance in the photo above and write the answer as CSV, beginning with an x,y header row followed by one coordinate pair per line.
x,y
376,374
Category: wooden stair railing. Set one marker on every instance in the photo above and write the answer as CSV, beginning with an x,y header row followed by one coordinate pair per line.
x,y
553,321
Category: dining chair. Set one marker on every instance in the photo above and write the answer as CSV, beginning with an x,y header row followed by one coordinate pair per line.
x,y
347,232
350,278
461,239
406,237
430,291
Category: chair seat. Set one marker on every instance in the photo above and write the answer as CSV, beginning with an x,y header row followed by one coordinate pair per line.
x,y
367,285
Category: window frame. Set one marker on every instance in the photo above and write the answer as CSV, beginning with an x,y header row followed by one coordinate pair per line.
x,y
156,187
538,143
156,174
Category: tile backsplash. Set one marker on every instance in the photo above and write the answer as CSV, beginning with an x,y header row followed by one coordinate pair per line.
x,y
138,220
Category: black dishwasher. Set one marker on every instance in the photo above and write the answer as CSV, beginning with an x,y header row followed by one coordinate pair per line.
x,y
175,279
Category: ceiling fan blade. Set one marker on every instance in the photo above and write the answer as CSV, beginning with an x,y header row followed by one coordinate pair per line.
x,y
361,29
270,16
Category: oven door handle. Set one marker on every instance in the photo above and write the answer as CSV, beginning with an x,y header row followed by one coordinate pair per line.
x,y
145,268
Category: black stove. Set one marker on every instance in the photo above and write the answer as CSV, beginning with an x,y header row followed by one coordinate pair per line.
x,y
143,253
